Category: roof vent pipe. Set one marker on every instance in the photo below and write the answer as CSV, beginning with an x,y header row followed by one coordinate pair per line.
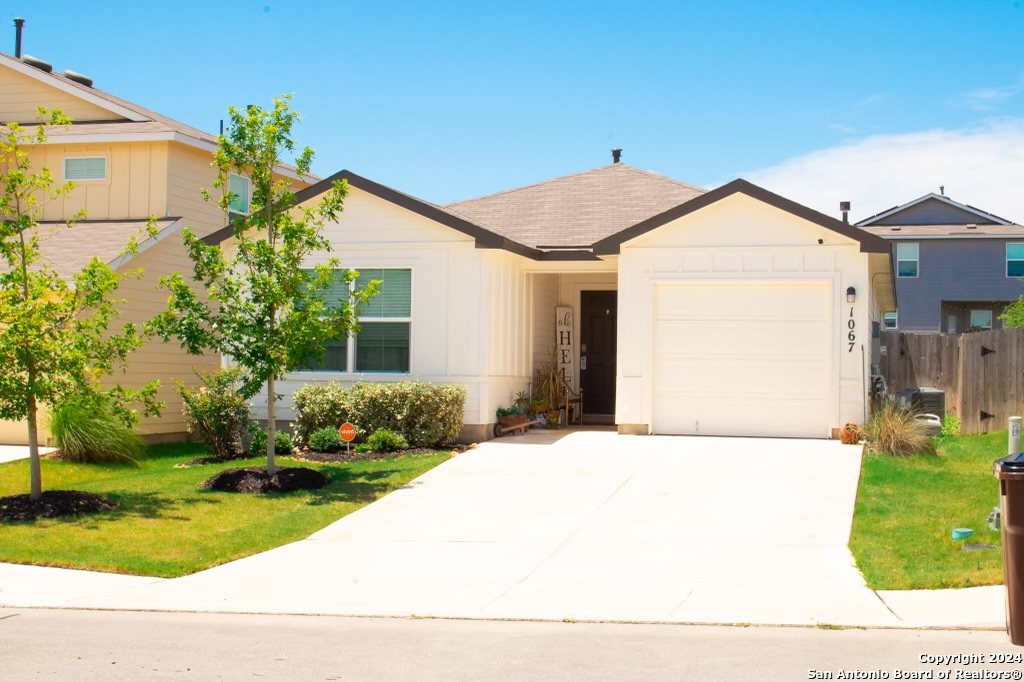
x,y
844,206
616,155
19,24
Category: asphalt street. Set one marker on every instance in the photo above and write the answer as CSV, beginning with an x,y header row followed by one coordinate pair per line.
x,y
37,644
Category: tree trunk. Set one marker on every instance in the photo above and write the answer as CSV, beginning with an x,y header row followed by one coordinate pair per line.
x,y
271,426
35,470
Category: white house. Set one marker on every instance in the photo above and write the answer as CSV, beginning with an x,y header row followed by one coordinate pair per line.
x,y
728,312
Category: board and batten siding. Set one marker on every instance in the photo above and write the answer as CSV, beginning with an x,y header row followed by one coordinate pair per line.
x,y
156,359
135,186
23,95
458,291
740,239
952,270
544,291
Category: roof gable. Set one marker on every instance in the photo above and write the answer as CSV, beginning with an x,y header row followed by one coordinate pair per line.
x,y
933,209
869,243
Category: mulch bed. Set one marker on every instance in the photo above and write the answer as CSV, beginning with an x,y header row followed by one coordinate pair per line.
x,y
342,456
257,480
53,504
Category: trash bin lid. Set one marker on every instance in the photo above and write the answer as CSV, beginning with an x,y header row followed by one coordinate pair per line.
x,y
1010,463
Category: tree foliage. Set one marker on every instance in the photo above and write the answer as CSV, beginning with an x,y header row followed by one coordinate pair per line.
x,y
56,336
266,307
1013,314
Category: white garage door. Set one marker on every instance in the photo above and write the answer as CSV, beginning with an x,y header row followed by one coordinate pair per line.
x,y
743,359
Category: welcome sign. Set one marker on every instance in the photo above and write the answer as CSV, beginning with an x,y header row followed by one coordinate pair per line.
x,y
565,333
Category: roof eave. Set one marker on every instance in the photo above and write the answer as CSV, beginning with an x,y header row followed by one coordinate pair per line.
x,y
869,243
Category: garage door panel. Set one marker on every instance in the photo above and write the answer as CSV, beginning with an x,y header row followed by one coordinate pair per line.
x,y
759,353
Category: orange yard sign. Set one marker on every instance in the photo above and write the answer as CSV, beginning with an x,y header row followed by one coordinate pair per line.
x,y
347,432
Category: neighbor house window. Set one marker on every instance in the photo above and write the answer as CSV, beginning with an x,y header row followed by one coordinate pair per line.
x,y
1015,260
906,260
889,320
85,168
981,319
382,344
238,186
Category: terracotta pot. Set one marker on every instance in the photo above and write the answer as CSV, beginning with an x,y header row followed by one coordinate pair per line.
x,y
849,434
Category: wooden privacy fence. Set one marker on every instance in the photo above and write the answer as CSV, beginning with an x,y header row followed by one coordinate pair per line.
x,y
982,373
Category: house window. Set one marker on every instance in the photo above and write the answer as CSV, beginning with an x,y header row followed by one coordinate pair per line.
x,y
238,187
981,319
85,168
889,320
1015,260
906,260
382,344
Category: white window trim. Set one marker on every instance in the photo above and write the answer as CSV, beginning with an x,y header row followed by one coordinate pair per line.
x,y
351,355
895,320
1006,270
106,167
248,199
350,340
917,261
970,318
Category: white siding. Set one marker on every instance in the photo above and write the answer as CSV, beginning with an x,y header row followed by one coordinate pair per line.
x,y
741,239
469,306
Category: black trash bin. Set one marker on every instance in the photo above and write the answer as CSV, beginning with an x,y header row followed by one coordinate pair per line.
x,y
1010,472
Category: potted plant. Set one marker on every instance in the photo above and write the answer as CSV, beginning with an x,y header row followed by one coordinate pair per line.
x,y
849,434
539,406
511,416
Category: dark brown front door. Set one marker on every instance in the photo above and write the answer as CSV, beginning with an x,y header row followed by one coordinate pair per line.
x,y
597,351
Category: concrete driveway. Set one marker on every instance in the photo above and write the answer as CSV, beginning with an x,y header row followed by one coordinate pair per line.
x,y
580,525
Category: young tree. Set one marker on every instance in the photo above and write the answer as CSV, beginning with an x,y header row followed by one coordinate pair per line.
x,y
1013,314
56,340
268,310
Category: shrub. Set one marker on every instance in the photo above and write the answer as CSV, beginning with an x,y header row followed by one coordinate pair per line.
x,y
425,414
950,425
319,406
215,412
894,430
362,448
283,444
89,431
325,440
386,441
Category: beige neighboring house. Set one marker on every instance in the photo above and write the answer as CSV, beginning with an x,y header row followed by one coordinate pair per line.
x,y
128,163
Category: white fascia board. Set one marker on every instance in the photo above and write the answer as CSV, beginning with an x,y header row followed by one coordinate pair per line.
x,y
149,242
917,238
80,93
946,200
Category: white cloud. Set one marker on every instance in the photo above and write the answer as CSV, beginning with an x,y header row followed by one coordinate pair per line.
x,y
986,99
982,166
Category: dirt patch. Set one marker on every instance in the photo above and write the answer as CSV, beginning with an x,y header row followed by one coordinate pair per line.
x,y
257,480
53,504
213,459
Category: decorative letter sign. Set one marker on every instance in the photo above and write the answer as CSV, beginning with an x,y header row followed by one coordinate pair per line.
x,y
565,332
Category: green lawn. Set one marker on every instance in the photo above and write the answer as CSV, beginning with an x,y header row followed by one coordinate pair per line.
x,y
165,526
906,508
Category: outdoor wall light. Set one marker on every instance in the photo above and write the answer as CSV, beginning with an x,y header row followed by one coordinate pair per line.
x,y
851,294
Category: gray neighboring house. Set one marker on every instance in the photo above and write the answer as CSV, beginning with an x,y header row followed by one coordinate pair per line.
x,y
956,266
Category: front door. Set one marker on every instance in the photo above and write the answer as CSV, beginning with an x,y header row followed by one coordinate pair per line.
x,y
598,311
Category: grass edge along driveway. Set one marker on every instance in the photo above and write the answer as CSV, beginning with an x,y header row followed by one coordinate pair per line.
x,y
166,527
906,508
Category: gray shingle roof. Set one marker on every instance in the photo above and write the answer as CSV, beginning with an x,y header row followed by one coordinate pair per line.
x,y
576,210
68,249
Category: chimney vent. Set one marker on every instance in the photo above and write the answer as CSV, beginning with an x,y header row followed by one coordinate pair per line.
x,y
38,63
844,207
616,155
78,77
19,24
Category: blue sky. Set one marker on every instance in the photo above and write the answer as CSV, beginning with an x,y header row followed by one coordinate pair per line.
x,y
874,102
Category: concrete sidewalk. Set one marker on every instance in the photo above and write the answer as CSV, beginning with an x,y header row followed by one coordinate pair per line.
x,y
578,526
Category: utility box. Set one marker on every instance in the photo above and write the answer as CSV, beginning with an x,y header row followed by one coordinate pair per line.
x,y
923,399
